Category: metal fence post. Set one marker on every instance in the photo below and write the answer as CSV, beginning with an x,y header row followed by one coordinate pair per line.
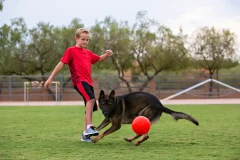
x,y
9,88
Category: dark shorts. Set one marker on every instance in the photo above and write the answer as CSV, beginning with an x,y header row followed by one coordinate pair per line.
x,y
87,92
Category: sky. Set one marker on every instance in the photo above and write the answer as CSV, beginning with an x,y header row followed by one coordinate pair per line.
x,y
188,14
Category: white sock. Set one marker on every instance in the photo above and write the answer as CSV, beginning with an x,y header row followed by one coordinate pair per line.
x,y
89,125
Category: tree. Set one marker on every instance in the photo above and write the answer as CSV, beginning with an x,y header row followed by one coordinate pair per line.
x,y
142,49
45,46
156,50
214,49
35,51
41,56
110,34
1,5
12,47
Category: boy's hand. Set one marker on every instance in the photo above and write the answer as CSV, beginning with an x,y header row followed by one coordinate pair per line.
x,y
47,83
109,52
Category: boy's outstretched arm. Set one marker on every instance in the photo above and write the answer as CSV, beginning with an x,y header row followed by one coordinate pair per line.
x,y
55,71
106,55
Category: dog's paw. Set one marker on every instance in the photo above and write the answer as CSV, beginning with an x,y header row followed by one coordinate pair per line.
x,y
94,140
97,138
127,139
138,143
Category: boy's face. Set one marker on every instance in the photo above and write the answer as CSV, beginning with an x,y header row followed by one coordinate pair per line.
x,y
83,40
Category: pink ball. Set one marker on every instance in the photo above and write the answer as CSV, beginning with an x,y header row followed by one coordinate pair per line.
x,y
141,125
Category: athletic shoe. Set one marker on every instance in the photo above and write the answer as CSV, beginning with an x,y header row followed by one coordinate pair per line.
x,y
91,132
86,139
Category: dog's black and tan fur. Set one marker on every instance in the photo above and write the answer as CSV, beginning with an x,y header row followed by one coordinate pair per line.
x,y
123,109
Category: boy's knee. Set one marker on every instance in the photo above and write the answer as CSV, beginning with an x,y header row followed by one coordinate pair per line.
x,y
91,101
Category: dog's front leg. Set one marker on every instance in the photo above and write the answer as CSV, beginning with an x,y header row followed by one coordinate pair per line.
x,y
112,129
104,123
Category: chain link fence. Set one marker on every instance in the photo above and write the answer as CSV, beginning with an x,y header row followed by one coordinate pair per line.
x,y
12,87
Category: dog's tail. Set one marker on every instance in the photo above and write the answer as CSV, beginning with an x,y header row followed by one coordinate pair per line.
x,y
180,115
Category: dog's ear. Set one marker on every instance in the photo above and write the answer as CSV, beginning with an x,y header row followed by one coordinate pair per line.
x,y
112,94
102,94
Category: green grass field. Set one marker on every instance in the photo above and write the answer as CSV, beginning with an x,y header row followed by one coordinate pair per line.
x,y
54,133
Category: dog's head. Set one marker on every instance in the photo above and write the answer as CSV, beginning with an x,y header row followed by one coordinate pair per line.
x,y
106,102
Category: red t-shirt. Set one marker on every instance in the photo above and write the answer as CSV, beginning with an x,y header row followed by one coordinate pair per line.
x,y
79,61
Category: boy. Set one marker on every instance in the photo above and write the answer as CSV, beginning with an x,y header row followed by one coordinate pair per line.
x,y
79,60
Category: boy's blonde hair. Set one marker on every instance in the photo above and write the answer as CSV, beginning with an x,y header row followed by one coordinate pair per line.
x,y
81,30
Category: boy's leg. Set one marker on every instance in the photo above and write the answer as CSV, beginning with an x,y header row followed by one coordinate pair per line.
x,y
89,110
90,131
87,93
84,137
85,122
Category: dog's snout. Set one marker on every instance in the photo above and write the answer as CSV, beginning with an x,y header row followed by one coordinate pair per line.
x,y
105,113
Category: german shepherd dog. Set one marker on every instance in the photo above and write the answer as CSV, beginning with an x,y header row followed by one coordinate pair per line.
x,y
123,109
